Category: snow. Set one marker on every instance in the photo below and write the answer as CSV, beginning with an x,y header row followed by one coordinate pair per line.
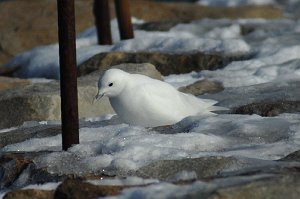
x,y
123,147
129,181
46,186
234,3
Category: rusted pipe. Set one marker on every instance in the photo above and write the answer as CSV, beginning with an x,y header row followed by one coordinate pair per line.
x,y
68,73
124,19
102,21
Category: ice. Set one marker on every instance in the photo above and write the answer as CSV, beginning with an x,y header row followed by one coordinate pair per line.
x,y
124,148
46,186
165,190
129,181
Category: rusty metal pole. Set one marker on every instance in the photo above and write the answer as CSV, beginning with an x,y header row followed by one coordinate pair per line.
x,y
68,73
102,21
124,19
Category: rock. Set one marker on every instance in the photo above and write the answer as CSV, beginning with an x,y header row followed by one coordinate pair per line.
x,y
281,186
295,156
266,99
41,101
10,83
202,86
138,68
77,189
204,167
156,25
34,102
166,63
10,168
269,109
29,194
22,134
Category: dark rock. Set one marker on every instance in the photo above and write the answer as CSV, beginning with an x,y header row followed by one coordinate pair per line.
x,y
204,167
295,156
269,109
165,63
202,86
156,25
29,194
10,168
22,134
280,186
77,189
18,170
267,99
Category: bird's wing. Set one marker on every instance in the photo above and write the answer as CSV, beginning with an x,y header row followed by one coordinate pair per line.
x,y
160,97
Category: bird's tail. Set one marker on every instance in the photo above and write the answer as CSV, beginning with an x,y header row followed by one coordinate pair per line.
x,y
218,108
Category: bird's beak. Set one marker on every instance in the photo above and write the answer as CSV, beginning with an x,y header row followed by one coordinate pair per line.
x,y
98,96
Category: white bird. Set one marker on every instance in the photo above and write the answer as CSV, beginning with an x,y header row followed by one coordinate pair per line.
x,y
143,101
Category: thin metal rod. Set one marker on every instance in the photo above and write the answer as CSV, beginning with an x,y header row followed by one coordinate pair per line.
x,y
102,21
124,19
68,73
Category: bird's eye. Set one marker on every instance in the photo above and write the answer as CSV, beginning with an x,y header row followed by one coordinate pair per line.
x,y
110,84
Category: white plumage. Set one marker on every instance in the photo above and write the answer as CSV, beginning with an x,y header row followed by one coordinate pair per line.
x,y
143,101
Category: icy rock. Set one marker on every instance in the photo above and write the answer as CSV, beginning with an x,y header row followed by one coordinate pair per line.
x,y
169,169
280,186
282,96
166,63
24,133
11,167
295,156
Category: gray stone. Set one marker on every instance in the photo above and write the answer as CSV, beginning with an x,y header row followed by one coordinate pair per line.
x,y
203,167
267,99
201,87
295,156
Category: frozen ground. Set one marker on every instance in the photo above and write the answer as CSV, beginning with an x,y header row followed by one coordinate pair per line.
x,y
275,59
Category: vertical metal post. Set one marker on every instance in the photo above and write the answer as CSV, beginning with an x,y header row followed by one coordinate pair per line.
x,y
124,19
102,21
68,73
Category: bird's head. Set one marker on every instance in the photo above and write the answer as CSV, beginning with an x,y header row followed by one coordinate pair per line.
x,y
111,83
